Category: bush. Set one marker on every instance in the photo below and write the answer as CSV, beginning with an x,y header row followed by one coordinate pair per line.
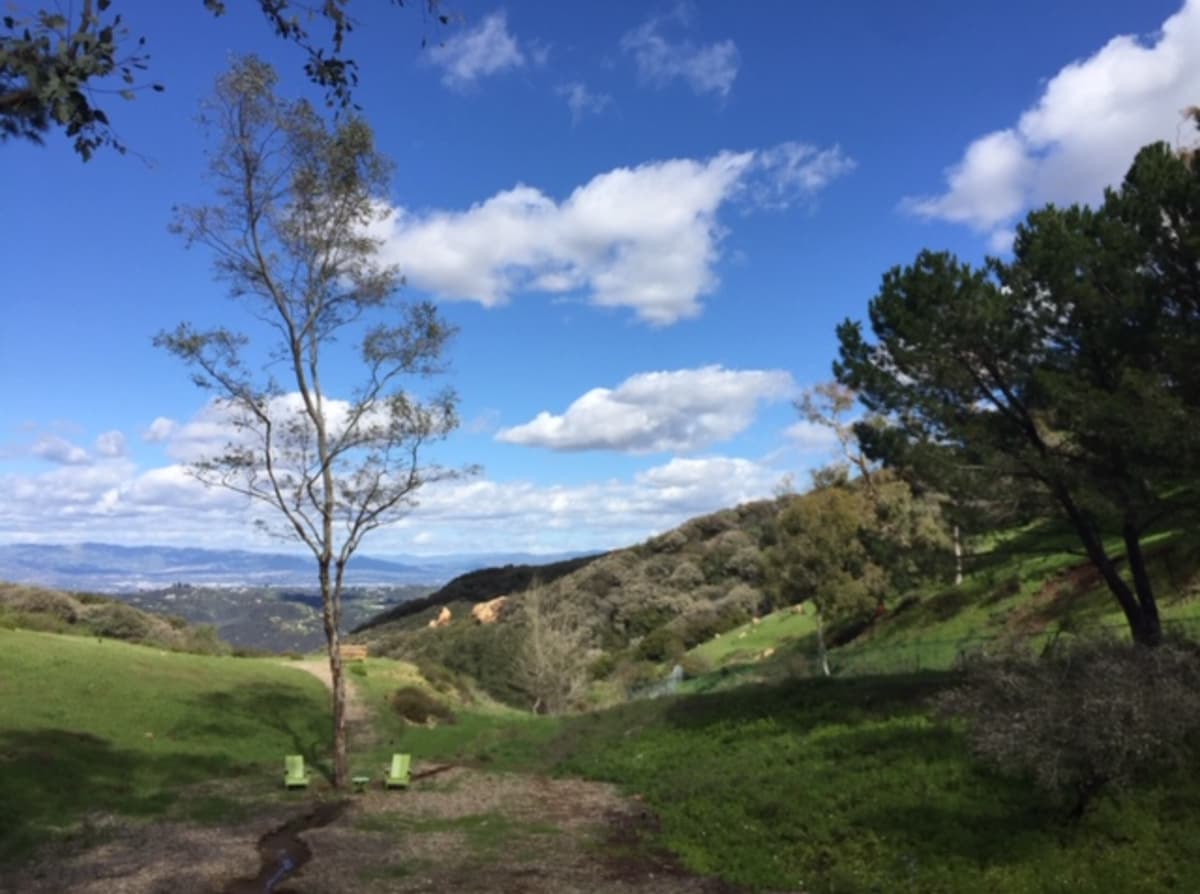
x,y
632,674
116,621
603,666
695,665
687,576
416,705
1086,717
358,669
31,601
662,644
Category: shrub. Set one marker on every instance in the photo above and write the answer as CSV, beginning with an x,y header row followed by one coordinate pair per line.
x,y
662,644
116,621
647,618
603,666
358,669
630,674
695,665
416,705
687,576
29,600
746,563
44,623
1086,717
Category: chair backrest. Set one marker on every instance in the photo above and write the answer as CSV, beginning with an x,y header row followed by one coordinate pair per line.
x,y
294,764
400,764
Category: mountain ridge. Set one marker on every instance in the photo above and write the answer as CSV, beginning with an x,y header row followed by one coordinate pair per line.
x,y
113,568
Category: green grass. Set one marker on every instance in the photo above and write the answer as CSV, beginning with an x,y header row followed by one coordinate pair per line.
x,y
751,640
91,726
485,834
482,732
849,785
1030,586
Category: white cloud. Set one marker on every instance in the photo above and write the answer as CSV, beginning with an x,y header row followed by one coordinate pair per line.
x,y
792,172
159,430
110,444
1082,133
684,410
582,101
467,515
710,68
646,238
481,51
115,501
211,430
1000,242
810,437
60,450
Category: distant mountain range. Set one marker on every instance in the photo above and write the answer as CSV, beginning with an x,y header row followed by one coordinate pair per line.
x,y
107,568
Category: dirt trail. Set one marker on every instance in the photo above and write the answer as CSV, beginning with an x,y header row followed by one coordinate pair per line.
x,y
468,831
463,830
358,717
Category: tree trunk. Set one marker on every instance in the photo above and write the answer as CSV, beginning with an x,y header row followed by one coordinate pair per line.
x,y
341,775
822,653
1141,612
958,572
1150,633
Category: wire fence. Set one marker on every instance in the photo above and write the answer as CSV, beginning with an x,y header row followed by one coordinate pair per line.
x,y
873,658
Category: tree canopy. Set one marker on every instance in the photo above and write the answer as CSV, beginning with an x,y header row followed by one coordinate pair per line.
x,y
1067,373
53,66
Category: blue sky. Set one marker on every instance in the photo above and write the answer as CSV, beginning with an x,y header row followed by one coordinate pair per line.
x,y
646,220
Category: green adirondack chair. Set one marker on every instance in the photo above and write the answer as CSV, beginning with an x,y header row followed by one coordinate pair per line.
x,y
398,777
294,775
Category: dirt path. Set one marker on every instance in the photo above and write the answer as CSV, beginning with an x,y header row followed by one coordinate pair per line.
x,y
468,831
463,830
358,717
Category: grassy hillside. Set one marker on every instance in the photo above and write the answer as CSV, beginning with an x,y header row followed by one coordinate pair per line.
x,y
88,614
690,595
93,727
635,607
845,785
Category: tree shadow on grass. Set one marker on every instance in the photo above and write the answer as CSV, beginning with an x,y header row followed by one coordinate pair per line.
x,y
805,703
933,804
227,714
52,778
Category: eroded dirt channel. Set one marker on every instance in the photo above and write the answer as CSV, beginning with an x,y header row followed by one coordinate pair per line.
x,y
284,852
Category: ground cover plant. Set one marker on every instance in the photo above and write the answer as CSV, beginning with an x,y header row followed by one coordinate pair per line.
x,y
845,786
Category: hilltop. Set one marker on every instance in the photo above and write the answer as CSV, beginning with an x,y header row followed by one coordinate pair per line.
x,y
699,595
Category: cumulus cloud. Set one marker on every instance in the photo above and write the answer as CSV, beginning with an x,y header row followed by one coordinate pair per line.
x,y
110,444
646,238
1081,134
684,410
792,172
484,50
59,450
466,514
119,503
809,437
214,426
710,68
582,101
159,430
